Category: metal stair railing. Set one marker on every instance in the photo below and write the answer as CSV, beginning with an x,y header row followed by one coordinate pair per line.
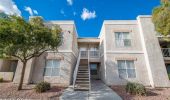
x,y
89,71
166,52
76,69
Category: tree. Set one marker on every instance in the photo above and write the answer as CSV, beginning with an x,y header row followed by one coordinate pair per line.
x,y
161,18
24,40
3,15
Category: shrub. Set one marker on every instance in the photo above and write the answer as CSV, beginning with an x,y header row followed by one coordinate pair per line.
x,y
1,79
169,75
136,89
42,87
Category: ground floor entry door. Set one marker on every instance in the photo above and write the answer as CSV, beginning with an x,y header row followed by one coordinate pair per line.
x,y
94,71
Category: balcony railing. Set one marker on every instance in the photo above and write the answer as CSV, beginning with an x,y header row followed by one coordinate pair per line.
x,y
91,53
84,54
94,54
166,52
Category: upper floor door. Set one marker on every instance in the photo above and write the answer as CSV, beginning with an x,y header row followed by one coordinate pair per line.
x,y
83,49
94,48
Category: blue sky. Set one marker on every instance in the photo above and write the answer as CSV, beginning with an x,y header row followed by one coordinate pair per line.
x,y
87,14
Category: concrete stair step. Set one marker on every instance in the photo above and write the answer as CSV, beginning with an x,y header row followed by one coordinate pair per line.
x,y
80,79
82,76
82,82
86,74
82,85
83,71
83,67
83,64
81,89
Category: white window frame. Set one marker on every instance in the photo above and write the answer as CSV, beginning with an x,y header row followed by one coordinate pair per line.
x,y
52,68
122,40
126,68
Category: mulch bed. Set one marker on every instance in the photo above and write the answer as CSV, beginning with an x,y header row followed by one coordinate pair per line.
x,y
9,91
152,94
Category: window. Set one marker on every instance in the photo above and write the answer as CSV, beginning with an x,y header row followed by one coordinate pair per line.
x,y
122,39
52,68
126,69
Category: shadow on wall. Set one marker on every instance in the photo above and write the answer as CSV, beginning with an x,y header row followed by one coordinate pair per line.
x,y
7,69
67,73
8,65
40,63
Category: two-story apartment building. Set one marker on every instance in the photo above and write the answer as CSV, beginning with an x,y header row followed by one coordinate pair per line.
x,y
125,51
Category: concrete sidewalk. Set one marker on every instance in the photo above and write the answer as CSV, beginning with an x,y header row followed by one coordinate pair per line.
x,y
99,91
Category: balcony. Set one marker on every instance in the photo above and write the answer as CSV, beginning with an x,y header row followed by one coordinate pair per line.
x,y
90,54
166,52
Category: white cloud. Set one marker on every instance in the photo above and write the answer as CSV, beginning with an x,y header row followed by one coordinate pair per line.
x,y
62,12
74,13
70,2
86,14
9,7
31,11
35,12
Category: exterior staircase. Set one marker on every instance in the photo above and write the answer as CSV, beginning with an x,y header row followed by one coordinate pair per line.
x,y
82,80
81,77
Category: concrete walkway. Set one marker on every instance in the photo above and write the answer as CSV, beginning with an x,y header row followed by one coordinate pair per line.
x,y
99,92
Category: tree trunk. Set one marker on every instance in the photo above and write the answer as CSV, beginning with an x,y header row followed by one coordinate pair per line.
x,y
22,75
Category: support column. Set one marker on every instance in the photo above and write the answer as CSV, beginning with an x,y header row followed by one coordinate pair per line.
x,y
153,54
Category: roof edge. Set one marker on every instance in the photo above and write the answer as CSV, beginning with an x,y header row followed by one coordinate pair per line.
x,y
87,38
61,21
144,16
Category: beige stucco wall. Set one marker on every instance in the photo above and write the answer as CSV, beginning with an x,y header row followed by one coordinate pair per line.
x,y
122,26
69,35
67,62
150,66
28,72
153,55
4,65
109,67
112,75
67,53
75,41
7,76
102,54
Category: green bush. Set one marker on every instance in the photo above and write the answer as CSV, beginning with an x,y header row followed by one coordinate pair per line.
x,y
42,87
1,79
169,75
136,89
